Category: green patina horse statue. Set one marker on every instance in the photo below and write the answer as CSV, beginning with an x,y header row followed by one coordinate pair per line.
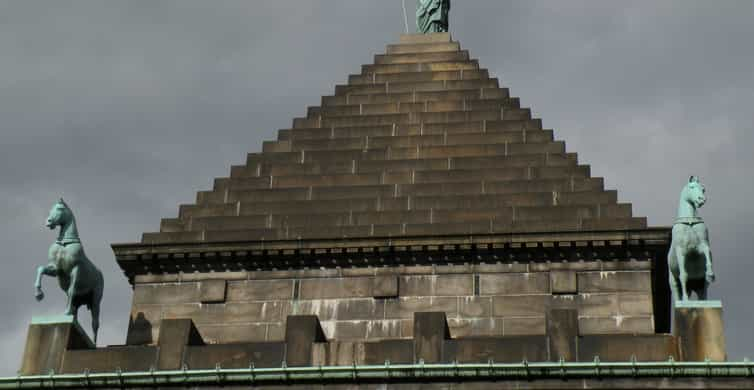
x,y
689,258
78,277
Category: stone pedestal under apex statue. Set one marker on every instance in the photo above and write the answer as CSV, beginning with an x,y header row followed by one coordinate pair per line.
x,y
698,325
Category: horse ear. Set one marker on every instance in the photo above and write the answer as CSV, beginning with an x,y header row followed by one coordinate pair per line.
x,y
693,179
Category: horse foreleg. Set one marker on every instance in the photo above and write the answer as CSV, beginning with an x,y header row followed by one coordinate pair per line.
x,y
74,276
674,287
49,270
683,276
709,275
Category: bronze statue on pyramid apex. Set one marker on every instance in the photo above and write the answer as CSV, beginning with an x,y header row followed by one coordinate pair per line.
x,y
432,16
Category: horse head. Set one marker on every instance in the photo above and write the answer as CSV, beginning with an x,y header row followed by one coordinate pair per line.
x,y
693,193
60,215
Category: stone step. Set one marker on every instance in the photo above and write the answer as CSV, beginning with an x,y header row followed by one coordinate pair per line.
x,y
439,66
223,187
413,58
362,181
414,117
422,212
499,226
229,190
403,177
222,196
414,97
405,77
406,153
461,127
397,141
526,206
441,37
422,47
422,86
425,106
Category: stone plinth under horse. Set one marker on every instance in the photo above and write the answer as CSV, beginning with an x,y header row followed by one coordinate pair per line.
x,y
78,277
689,258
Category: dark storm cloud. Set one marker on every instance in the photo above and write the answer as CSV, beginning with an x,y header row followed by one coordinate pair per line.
x,y
127,108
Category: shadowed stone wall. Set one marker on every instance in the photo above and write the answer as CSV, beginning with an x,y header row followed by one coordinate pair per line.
x,y
361,304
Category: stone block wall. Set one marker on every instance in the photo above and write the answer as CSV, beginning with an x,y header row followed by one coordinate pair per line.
x,y
376,303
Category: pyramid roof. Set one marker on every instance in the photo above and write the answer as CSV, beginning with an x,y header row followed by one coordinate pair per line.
x,y
421,144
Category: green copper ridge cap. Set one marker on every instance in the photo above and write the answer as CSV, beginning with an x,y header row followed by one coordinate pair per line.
x,y
388,372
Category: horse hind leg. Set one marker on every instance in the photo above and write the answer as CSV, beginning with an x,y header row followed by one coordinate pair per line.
x,y
95,306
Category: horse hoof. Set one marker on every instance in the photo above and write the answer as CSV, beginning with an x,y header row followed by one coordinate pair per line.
x,y
39,296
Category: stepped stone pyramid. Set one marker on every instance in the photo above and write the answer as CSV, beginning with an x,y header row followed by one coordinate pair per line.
x,y
420,188
422,143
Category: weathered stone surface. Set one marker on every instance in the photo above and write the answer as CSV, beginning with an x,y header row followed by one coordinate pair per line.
x,y
175,336
498,349
470,306
507,284
139,359
473,327
436,285
261,355
385,286
405,307
259,290
233,333
521,326
616,325
47,344
614,281
166,293
617,348
336,288
520,305
563,282
212,291
562,334
334,354
700,332
430,332
300,333
394,351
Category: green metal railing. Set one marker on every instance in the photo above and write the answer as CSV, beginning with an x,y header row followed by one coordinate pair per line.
x,y
388,372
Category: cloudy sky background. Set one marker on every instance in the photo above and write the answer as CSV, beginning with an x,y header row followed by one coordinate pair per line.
x,y
127,108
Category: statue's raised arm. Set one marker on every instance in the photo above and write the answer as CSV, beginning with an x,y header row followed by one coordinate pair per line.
x,y
432,16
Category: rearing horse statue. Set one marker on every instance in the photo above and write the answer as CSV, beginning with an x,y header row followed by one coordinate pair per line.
x,y
689,258
78,277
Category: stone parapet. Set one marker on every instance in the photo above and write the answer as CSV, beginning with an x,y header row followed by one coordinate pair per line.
x,y
305,343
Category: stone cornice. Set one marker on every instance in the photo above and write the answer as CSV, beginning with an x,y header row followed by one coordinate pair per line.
x,y
137,259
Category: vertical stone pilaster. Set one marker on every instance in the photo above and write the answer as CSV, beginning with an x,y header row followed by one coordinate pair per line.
x,y
698,325
46,342
430,332
175,336
562,331
300,333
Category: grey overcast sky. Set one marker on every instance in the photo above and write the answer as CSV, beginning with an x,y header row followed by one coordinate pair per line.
x,y
127,108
